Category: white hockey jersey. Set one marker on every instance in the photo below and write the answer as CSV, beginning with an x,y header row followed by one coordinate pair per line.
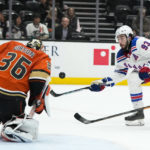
x,y
138,57
33,31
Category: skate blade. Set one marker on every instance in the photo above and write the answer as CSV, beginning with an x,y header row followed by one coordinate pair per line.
x,y
139,122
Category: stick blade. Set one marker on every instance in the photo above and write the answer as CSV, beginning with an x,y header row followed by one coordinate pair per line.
x,y
54,94
81,119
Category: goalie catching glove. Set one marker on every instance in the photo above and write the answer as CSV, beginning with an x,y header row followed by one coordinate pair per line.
x,y
99,85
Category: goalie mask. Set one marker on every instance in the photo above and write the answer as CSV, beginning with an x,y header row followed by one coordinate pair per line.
x,y
35,43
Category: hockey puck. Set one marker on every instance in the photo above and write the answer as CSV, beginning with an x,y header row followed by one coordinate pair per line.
x,y
62,75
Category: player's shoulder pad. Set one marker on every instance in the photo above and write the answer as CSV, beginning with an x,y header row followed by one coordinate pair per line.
x,y
42,55
13,43
16,42
10,42
134,43
120,56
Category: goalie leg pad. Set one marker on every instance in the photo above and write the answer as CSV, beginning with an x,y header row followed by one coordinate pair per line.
x,y
20,130
16,136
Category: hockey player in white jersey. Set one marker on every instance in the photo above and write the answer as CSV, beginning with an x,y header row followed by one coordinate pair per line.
x,y
134,54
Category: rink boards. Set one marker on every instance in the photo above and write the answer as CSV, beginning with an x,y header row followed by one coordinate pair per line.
x,y
80,62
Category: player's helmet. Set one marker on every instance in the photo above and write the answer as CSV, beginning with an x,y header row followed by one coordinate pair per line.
x,y
35,43
123,30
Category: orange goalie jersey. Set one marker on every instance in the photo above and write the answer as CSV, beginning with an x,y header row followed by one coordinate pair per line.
x,y
18,65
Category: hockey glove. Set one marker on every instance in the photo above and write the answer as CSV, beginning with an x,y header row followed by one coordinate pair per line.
x,y
99,85
144,74
39,105
40,101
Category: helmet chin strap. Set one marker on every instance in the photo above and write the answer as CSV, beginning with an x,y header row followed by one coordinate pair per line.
x,y
42,48
128,44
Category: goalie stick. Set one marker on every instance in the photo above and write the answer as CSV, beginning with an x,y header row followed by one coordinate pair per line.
x,y
86,121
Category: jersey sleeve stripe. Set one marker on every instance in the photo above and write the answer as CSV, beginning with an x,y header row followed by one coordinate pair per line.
x,y
38,74
35,70
121,58
133,48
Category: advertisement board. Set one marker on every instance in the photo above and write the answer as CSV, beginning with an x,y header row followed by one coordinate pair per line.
x,y
80,62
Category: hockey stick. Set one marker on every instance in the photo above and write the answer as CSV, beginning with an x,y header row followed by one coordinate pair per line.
x,y
32,111
69,92
86,121
57,95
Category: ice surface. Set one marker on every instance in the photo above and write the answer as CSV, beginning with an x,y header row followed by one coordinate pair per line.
x,y
62,142
62,132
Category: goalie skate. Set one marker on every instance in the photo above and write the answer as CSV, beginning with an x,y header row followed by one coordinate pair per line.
x,y
136,119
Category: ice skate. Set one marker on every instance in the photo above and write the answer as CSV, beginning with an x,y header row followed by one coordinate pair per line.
x,y
136,119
